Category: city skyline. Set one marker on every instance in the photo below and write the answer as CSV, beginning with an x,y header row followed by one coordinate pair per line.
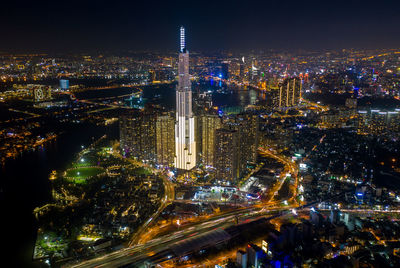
x,y
102,26
273,150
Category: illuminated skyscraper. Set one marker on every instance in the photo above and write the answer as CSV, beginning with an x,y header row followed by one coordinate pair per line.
x,y
377,122
64,84
165,142
185,146
138,135
209,125
248,125
226,154
288,94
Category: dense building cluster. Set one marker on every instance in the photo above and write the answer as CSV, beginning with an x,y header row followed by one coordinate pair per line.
x,y
325,239
226,145
291,157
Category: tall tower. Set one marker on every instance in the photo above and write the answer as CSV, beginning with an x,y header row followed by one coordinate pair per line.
x,y
185,146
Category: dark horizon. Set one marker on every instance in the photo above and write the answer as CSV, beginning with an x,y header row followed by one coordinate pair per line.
x,y
53,27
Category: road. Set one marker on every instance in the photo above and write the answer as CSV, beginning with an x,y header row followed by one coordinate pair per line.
x,y
290,167
159,249
109,105
168,198
140,253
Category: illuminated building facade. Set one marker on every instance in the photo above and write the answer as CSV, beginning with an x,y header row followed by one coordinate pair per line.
x,y
226,156
64,84
138,135
185,145
248,127
337,118
209,125
165,140
41,93
378,122
287,95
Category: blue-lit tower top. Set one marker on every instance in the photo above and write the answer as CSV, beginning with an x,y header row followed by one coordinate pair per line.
x,y
183,46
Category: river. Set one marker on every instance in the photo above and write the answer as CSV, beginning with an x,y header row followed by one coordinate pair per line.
x,y
25,185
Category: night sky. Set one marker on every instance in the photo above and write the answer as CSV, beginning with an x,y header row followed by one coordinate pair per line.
x,y
69,26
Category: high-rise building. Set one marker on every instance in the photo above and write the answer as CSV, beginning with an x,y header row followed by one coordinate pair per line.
x,y
393,121
378,122
241,258
241,70
363,122
337,118
255,254
185,145
64,84
246,131
138,135
248,127
226,156
165,140
209,125
287,95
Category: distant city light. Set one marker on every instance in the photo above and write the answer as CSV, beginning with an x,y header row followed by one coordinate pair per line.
x,y
301,188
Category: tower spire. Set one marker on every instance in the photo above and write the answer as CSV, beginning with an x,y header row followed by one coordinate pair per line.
x,y
183,47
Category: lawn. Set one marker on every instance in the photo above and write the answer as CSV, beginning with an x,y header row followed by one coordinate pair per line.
x,y
80,174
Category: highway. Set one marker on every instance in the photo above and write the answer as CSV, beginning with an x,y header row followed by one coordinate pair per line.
x,y
140,253
159,249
